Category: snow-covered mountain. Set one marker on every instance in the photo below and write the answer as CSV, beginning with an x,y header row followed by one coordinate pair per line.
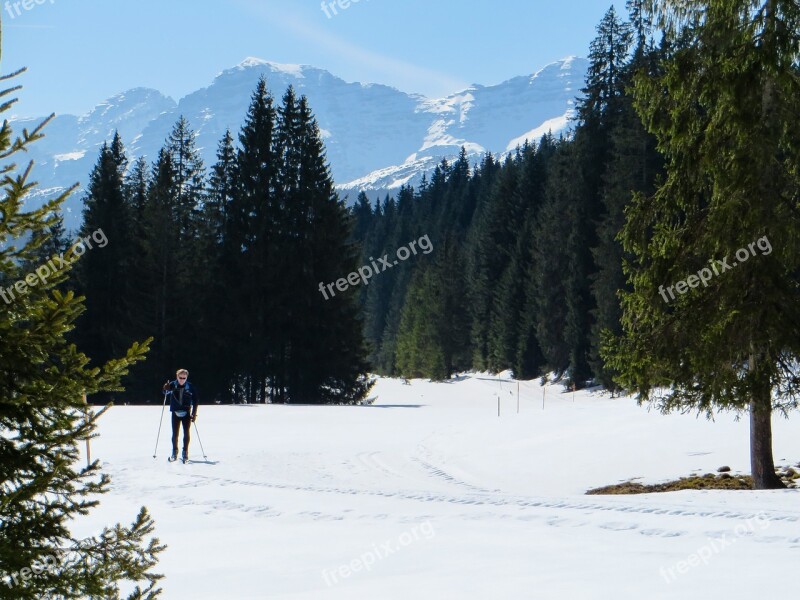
x,y
377,137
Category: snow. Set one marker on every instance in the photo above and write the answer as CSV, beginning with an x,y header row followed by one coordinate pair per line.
x,y
429,494
554,126
70,155
288,69
371,129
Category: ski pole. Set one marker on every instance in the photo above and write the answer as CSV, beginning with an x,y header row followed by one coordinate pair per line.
x,y
199,441
161,422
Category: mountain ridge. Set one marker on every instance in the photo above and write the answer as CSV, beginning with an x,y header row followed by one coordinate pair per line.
x,y
377,137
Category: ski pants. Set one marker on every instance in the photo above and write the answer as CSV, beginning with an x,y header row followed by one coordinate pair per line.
x,y
176,426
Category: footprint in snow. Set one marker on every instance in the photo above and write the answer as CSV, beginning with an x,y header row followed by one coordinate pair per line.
x,y
617,526
662,533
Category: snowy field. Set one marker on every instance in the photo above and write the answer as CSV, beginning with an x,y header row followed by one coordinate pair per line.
x,y
429,494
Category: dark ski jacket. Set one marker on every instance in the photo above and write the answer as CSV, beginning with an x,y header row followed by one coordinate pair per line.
x,y
183,397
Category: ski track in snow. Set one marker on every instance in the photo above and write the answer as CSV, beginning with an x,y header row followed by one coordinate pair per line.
x,y
438,453
592,512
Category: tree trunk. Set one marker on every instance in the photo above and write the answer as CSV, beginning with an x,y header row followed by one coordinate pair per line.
x,y
762,465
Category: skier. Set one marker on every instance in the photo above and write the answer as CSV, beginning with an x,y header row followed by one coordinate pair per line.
x,y
183,406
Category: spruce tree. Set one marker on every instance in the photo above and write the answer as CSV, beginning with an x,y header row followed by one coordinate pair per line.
x,y
550,262
325,352
49,243
216,326
633,166
143,378
420,351
494,243
362,217
159,267
43,417
252,250
725,116
105,330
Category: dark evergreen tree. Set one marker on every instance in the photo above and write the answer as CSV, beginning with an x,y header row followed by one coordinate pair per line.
x,y
494,242
362,217
731,343
252,255
43,415
222,188
105,330
325,352
48,243
218,320
420,351
550,262
137,182
634,164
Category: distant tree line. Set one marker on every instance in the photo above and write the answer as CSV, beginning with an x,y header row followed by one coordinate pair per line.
x,y
527,269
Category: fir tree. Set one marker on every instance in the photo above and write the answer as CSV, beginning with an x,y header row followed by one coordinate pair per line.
x,y
217,321
634,164
420,351
252,249
724,113
362,217
49,243
325,352
493,247
43,416
547,291
108,231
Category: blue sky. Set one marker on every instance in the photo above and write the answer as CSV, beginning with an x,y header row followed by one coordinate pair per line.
x,y
79,52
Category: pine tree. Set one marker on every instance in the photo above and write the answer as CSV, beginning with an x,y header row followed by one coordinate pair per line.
x,y
217,322
493,247
325,351
725,116
600,114
252,249
420,351
362,217
143,378
386,296
42,418
108,230
222,188
189,174
137,182
169,264
547,290
159,266
605,87
633,166
49,243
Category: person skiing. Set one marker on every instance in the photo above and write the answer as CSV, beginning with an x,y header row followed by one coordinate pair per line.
x,y
183,406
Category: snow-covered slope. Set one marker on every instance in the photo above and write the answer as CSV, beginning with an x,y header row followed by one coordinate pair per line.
x,y
377,137
428,494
